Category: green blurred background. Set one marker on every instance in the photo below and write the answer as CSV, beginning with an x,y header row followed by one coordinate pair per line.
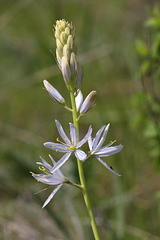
x,y
125,207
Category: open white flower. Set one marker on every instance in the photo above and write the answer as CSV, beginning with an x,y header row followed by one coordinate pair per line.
x,y
69,146
97,151
50,178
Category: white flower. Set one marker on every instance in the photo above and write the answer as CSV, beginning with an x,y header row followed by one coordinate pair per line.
x,y
69,146
97,151
88,103
50,178
53,92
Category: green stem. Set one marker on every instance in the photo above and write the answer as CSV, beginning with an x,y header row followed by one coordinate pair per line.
x,y
81,172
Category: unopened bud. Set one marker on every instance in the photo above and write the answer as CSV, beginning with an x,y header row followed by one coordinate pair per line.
x,y
53,92
73,64
66,70
79,100
88,102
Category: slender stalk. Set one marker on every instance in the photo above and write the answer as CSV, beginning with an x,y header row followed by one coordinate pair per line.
x,y
81,172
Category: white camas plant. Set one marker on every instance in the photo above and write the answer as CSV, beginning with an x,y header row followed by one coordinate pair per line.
x,y
72,74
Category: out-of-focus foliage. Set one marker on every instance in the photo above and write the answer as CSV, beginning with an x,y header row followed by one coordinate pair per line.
x,y
148,100
125,207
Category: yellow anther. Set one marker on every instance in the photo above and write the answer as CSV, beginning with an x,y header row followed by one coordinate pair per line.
x,y
111,141
73,141
38,180
66,147
40,168
38,175
43,176
57,150
54,145
115,140
65,139
43,168
57,139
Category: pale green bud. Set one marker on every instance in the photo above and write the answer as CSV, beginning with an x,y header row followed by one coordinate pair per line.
x,y
63,38
67,31
59,47
66,52
70,42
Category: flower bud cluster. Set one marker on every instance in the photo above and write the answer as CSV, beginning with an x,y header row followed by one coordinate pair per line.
x,y
66,53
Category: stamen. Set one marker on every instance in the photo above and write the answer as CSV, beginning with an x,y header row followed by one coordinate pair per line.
x,y
57,150
73,141
65,139
43,176
111,141
72,148
40,168
38,180
57,139
66,147
54,145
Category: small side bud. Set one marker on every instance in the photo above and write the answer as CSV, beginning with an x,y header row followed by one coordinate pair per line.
x,y
53,92
79,77
73,64
66,70
88,102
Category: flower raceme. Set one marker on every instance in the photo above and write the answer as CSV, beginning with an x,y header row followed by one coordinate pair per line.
x,y
68,146
49,177
66,53
96,149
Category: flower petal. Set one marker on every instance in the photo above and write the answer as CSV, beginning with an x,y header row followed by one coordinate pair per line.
x,y
52,195
49,179
85,139
60,162
56,147
97,137
102,138
58,172
81,155
108,151
73,134
90,143
106,165
61,132
79,100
